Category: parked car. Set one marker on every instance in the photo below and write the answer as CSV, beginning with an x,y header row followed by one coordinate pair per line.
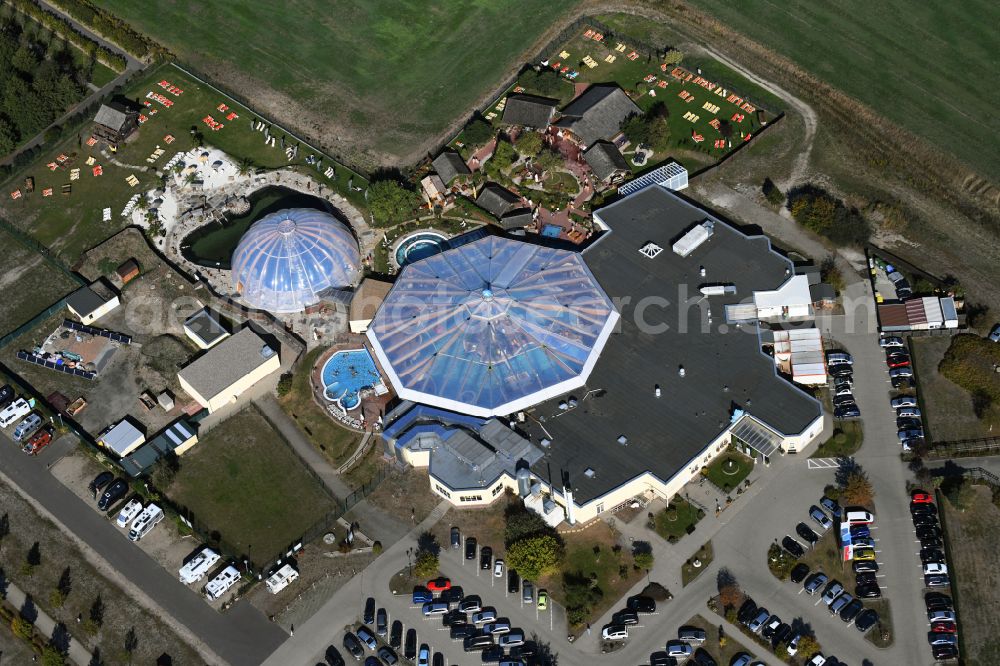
x,y
434,608
492,654
833,590
930,541
907,423
626,617
851,610
387,655
840,370
867,619
478,642
901,372
770,627
821,518
543,600
114,492
921,496
396,635
421,595
470,548
793,645
844,400
459,632
513,638
868,591
863,542
924,520
936,601
945,627
757,624
527,593
840,602
941,615
424,655
936,638
922,508
910,413
783,631
857,516
944,652
614,632
701,658
793,547
691,635
746,612
485,558
865,579
501,626
129,513
838,358
863,566
513,581
353,645
814,582
498,568
891,341
456,537
995,334
903,401
410,647
898,361
366,636
381,622
471,604
453,594
931,555
100,481
488,614
864,554
929,531
900,383
741,659
679,649
847,411
807,533
439,584
937,580
454,617
799,572
860,531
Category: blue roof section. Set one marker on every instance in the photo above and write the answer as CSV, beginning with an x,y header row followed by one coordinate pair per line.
x,y
488,326
287,259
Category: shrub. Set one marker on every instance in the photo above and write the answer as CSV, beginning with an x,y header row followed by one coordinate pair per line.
x,y
535,556
477,132
772,193
377,548
284,385
822,213
427,564
21,628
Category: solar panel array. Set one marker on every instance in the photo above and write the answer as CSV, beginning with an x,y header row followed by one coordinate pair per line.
x,y
52,365
104,333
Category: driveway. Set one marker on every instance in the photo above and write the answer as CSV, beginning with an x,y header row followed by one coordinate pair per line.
x,y
242,635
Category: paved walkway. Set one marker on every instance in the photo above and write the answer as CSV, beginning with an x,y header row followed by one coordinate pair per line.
x,y
46,625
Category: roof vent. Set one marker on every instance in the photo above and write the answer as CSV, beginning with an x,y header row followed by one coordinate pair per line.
x,y
589,473
623,440
650,250
545,443
266,352
563,406
680,371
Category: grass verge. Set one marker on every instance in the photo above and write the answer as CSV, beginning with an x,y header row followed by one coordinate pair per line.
x,y
689,571
845,441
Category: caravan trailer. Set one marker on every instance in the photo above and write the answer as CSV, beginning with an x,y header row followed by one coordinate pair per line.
x,y
281,578
146,521
221,583
14,411
199,566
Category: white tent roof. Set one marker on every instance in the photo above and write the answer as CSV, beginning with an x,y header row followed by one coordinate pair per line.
x,y
794,292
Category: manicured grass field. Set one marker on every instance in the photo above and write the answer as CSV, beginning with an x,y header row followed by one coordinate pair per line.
x,y
72,223
930,67
396,73
686,515
242,480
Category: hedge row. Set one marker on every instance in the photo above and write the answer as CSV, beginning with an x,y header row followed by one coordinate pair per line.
x,y
65,29
107,25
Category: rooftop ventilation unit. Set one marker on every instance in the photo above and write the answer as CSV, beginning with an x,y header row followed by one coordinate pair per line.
x,y
545,443
693,239
589,473
266,352
650,250
718,289
623,440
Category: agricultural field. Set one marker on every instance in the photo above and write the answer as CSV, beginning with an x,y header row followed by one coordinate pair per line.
x,y
69,219
29,283
243,480
926,67
376,80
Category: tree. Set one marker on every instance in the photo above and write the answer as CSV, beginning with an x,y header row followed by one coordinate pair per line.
x,y
426,564
390,202
477,132
644,560
62,589
772,193
21,627
543,82
529,144
730,594
4,527
96,613
284,385
131,643
651,129
534,556
245,166
581,594
858,489
548,160
504,156
51,656
521,523
808,646
34,557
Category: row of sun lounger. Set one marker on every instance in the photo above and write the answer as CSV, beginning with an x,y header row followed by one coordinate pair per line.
x,y
172,89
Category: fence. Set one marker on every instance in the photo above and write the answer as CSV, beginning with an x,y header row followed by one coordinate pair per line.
x,y
964,448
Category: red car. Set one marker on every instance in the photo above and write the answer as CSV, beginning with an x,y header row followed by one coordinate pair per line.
x,y
944,627
898,362
920,497
38,441
439,584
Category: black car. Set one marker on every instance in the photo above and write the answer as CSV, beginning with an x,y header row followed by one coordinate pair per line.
x,y
841,370
527,649
702,658
513,581
865,579
454,617
938,601
931,556
6,395
842,400
353,645
799,573
626,617
793,547
493,654
942,652
908,423
928,532
937,580
99,482
369,615
868,591
901,383
865,566
387,655
460,630
846,411
456,537
453,595
663,659
332,656
396,635
471,604
747,611
866,620
924,509
781,634
381,622
641,604
851,610
806,533
410,649
372,661
478,642
485,558
924,520
115,492
931,542
470,548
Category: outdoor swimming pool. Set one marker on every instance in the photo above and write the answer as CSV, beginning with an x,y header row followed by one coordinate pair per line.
x,y
419,246
346,374
551,230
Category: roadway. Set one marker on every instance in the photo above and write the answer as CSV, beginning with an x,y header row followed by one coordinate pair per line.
x,y
241,635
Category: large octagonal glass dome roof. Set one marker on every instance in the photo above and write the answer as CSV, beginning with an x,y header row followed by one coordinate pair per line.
x,y
286,259
492,327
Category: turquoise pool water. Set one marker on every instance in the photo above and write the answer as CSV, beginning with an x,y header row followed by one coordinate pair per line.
x,y
420,246
346,374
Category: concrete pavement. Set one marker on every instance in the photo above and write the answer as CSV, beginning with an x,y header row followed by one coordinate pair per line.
x,y
241,635
46,625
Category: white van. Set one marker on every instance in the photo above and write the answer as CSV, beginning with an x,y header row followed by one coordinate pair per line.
x,y
198,566
146,521
281,578
27,426
129,512
14,411
858,517
221,583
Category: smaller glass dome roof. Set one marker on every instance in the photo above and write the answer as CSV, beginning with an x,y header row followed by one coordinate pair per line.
x,y
286,259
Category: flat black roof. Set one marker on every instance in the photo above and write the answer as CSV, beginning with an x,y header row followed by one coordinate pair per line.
x,y
724,366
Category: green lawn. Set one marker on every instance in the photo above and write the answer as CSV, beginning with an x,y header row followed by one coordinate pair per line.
x,y
728,470
70,224
243,481
927,66
845,441
689,571
395,73
686,515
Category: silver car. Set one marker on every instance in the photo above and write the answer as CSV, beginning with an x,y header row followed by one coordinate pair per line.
x,y
832,592
820,517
